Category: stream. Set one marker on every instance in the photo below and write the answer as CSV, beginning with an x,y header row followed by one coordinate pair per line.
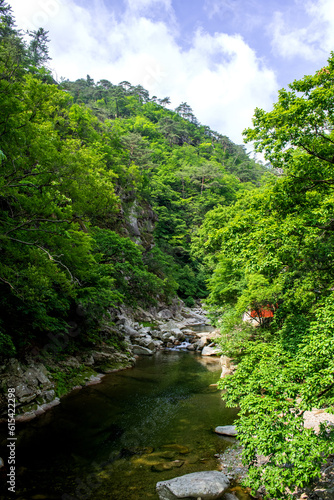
x,y
117,439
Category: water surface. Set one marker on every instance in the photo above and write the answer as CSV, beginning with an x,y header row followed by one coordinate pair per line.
x,y
117,439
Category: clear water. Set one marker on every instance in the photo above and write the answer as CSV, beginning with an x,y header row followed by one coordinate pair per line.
x,y
202,328
117,439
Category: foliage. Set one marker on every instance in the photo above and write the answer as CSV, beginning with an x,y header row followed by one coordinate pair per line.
x,y
79,163
272,251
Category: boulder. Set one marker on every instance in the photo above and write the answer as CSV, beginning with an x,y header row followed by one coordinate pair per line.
x,y
145,330
207,485
24,394
227,366
177,333
209,350
128,330
226,430
191,347
101,358
169,326
200,344
146,341
157,334
165,314
137,349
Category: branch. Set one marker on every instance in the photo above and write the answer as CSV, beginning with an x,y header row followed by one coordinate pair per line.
x,y
325,390
313,153
73,278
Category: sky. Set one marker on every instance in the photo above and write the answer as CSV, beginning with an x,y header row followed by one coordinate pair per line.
x,y
223,57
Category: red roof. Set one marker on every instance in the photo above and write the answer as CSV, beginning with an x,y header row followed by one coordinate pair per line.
x,y
262,313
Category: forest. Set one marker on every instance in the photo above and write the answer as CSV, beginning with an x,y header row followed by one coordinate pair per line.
x,y
109,197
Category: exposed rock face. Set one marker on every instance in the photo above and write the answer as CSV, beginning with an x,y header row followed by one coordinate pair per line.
x,y
207,485
30,382
142,332
165,314
141,220
226,430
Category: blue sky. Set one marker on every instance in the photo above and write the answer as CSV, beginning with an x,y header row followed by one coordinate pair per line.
x,y
223,57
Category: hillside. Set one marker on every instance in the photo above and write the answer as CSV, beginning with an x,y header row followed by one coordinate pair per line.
x,y
102,188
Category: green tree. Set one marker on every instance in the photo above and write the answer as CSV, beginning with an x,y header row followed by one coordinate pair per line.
x,y
272,250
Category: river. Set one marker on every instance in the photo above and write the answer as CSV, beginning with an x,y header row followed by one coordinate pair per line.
x,y
117,439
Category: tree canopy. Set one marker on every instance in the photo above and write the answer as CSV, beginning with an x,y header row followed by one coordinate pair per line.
x,y
272,251
101,188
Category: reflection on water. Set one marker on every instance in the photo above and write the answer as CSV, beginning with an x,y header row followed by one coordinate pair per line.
x,y
115,440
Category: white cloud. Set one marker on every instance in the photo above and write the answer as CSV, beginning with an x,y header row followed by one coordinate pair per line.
x,y
144,5
312,42
217,7
220,76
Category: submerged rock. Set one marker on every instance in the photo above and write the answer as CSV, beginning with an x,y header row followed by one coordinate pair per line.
x,y
226,430
207,485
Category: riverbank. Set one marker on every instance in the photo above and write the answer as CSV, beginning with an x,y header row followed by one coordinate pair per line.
x,y
120,437
43,376
236,472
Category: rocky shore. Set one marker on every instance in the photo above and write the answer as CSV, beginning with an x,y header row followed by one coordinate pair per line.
x,y
41,378
231,465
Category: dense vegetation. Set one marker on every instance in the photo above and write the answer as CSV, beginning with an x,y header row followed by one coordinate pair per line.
x,y
88,171
272,251
103,191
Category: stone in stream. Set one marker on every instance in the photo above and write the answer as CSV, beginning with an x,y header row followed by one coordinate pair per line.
x,y
137,349
209,350
207,485
226,430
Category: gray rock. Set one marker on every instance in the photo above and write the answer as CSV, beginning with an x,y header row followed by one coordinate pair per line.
x,y
49,396
166,336
230,496
191,347
146,341
226,430
128,330
157,334
177,333
37,375
165,314
227,366
24,394
324,493
209,351
169,326
2,463
71,362
207,485
137,349
145,330
200,344
88,360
